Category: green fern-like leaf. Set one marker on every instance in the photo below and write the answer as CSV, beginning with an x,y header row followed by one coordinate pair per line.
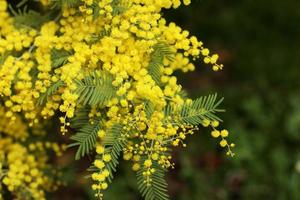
x,y
95,89
86,139
50,91
114,145
97,37
169,110
183,94
160,51
149,108
25,18
65,3
95,7
118,7
80,118
157,189
202,108
59,57
194,113
22,3
3,57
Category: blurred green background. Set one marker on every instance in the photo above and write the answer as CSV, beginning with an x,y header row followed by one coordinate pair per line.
x,y
258,41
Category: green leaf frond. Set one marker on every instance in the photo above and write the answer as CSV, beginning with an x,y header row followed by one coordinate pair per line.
x,y
118,6
95,7
86,139
97,37
149,108
195,112
65,3
54,87
183,94
95,89
3,57
169,110
81,117
157,188
22,3
29,18
160,51
59,57
114,144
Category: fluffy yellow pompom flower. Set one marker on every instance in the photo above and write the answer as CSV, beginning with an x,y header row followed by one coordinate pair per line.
x,y
223,143
224,133
215,133
148,163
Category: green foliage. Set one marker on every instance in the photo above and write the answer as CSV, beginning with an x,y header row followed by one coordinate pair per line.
x,y
149,108
3,57
195,112
118,7
86,138
67,3
50,91
95,89
59,57
28,18
22,3
97,37
157,189
200,109
160,51
114,143
81,117
95,7
183,93
169,110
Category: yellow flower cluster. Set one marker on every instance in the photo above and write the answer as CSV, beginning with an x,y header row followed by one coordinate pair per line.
x,y
23,173
113,58
23,166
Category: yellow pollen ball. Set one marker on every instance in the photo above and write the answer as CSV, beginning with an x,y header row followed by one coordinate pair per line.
x,y
215,133
99,164
223,143
104,186
206,123
224,133
100,149
106,157
186,2
215,123
136,167
101,133
148,163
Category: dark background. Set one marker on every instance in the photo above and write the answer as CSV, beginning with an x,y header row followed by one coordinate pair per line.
x,y
258,42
